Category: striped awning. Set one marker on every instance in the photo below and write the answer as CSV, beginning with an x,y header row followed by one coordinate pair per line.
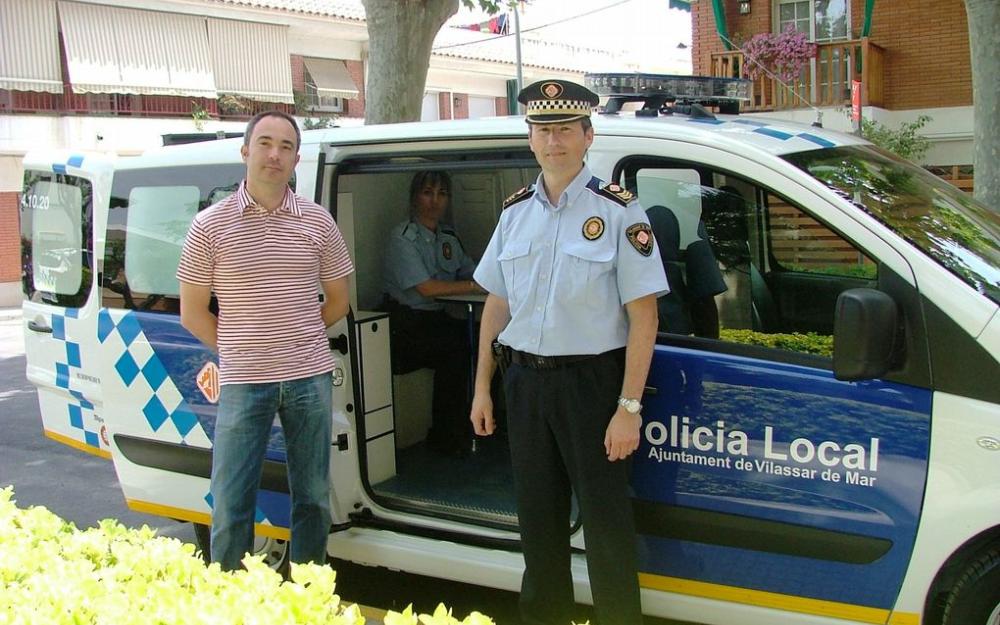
x,y
116,50
29,46
331,78
251,59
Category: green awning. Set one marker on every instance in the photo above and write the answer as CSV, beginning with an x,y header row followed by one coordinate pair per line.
x,y
512,97
720,23
683,5
867,28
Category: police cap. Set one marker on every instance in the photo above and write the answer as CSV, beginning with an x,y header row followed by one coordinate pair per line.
x,y
553,101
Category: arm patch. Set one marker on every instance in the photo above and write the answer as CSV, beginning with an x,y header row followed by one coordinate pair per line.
x,y
521,194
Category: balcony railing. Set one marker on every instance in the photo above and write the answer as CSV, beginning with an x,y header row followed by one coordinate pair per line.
x,y
121,104
826,81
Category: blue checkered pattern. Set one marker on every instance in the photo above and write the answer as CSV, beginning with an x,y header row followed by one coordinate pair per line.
x,y
272,508
76,160
144,380
766,130
79,410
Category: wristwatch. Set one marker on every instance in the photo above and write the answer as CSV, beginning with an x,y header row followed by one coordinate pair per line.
x,y
631,405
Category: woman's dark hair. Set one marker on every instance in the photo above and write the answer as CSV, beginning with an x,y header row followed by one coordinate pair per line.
x,y
422,179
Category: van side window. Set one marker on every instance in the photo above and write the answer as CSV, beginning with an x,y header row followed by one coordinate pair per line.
x,y
151,211
55,214
745,265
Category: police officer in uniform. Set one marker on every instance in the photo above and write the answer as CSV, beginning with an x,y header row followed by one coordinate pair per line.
x,y
573,274
424,260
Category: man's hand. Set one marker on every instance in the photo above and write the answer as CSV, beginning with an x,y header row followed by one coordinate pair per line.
x,y
482,414
622,435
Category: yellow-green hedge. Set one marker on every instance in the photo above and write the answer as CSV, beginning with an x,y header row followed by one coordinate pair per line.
x,y
811,343
51,573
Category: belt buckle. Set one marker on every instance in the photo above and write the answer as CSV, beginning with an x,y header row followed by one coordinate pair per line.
x,y
542,362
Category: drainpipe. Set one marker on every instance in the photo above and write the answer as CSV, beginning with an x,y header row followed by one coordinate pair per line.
x,y
867,28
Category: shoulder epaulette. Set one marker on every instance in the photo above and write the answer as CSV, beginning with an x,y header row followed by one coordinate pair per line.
x,y
616,193
519,195
409,233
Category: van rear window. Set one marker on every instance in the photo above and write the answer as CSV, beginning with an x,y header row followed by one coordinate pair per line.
x,y
150,213
55,215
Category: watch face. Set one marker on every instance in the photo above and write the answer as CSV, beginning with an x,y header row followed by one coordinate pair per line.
x,y
631,405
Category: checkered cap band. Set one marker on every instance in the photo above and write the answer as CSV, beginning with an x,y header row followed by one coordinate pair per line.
x,y
558,107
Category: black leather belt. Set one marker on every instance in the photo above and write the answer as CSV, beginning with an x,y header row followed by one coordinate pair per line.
x,y
534,361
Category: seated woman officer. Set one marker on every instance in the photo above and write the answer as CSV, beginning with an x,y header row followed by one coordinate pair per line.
x,y
425,260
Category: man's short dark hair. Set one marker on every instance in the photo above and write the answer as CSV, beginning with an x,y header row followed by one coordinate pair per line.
x,y
423,178
283,115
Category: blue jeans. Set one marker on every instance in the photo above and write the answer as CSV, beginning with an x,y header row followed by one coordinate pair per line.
x,y
246,413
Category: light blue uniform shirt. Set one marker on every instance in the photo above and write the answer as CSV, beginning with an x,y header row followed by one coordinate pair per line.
x,y
415,255
567,271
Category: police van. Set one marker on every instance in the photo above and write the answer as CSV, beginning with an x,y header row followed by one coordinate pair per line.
x,y
827,452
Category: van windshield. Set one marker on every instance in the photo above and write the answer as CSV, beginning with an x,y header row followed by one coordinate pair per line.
x,y
942,221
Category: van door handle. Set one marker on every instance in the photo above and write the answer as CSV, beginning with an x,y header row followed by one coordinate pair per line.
x,y
35,326
339,343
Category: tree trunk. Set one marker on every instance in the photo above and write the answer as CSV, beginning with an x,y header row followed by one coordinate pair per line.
x,y
400,35
984,33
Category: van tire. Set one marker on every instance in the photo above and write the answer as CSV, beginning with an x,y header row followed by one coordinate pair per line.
x,y
975,597
275,551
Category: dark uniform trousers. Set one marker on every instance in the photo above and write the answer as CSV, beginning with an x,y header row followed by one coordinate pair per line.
x,y
557,419
432,339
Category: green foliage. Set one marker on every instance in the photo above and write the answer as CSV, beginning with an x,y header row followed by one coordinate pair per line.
x,y
852,270
904,141
53,573
490,6
199,115
320,122
232,104
811,343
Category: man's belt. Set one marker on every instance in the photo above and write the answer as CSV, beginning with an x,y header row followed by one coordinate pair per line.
x,y
506,355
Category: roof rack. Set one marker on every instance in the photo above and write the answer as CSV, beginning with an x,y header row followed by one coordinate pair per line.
x,y
668,94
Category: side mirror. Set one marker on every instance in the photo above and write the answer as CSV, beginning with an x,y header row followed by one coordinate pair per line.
x,y
865,334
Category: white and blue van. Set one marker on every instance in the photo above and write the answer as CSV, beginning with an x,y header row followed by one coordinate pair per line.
x,y
830,453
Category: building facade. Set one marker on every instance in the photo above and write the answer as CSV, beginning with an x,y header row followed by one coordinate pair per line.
x,y
124,77
910,56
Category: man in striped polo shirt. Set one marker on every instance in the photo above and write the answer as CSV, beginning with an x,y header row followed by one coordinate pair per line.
x,y
263,251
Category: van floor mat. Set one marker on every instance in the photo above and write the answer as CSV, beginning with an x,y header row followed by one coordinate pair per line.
x,y
479,482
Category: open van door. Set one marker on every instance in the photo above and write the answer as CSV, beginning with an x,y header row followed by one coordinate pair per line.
x,y
63,204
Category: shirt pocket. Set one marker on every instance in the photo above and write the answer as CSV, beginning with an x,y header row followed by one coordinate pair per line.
x,y
515,264
587,271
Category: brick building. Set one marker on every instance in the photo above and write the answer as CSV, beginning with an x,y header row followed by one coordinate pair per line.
x,y
913,59
118,76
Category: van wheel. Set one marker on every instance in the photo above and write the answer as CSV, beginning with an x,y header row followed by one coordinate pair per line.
x,y
275,551
975,598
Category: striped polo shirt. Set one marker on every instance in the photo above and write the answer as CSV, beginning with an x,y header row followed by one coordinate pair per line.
x,y
265,268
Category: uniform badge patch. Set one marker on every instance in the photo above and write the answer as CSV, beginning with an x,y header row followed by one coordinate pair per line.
x,y
593,228
552,90
640,235
446,250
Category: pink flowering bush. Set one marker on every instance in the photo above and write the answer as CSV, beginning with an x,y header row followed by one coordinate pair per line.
x,y
783,54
